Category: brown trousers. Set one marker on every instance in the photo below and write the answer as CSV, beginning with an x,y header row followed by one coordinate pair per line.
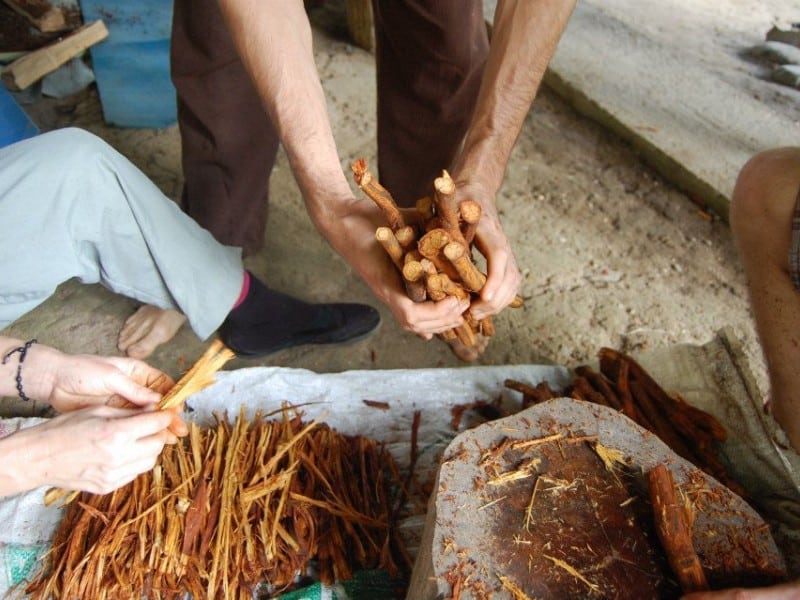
x,y
430,56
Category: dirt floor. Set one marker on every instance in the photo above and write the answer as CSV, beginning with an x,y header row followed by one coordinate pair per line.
x,y
612,254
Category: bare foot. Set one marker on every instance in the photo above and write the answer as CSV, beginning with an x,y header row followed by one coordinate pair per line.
x,y
148,328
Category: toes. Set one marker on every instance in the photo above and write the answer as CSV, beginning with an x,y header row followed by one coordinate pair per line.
x,y
147,328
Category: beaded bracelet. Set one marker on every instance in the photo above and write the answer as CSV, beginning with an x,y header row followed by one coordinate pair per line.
x,y
23,350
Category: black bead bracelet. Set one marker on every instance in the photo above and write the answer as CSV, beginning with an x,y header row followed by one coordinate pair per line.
x,y
23,350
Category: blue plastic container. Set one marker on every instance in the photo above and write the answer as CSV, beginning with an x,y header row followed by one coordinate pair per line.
x,y
131,65
14,123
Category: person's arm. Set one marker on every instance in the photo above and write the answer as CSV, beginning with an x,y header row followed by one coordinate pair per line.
x,y
96,445
68,382
274,40
524,38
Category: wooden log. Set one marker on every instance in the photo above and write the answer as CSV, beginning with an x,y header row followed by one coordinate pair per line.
x,y
424,207
387,239
377,193
470,276
451,288
667,403
416,291
413,274
601,384
674,531
470,212
583,390
530,394
446,208
466,336
430,246
701,419
413,270
433,283
619,374
432,243
406,236
359,23
660,424
31,67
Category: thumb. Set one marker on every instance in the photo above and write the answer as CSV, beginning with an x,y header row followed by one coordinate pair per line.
x,y
146,424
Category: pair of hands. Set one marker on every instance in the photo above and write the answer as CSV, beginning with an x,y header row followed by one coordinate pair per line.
x,y
107,434
429,318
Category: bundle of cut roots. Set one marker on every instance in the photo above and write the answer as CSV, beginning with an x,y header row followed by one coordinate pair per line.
x,y
231,508
626,386
433,252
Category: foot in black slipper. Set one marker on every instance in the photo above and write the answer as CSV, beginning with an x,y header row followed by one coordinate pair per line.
x,y
267,321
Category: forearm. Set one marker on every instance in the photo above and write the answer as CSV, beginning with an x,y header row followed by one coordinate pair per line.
x,y
35,372
524,37
68,381
274,40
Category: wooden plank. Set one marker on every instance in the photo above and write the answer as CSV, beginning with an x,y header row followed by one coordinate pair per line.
x,y
359,23
28,69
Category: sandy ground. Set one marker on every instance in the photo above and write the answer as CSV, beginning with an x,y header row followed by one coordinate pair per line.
x,y
612,254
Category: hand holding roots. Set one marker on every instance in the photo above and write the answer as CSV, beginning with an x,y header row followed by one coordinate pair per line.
x,y
198,377
435,257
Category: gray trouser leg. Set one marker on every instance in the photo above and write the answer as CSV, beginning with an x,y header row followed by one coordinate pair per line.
x,y
71,206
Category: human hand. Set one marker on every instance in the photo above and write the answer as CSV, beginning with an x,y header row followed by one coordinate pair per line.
x,y
351,232
503,276
69,382
96,449
427,318
784,591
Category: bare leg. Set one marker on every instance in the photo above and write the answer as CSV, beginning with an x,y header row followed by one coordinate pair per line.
x,y
148,328
761,216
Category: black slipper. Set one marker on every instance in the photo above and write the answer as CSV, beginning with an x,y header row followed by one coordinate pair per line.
x,y
337,323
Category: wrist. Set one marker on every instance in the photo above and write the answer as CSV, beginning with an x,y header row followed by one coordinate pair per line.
x,y
27,369
481,170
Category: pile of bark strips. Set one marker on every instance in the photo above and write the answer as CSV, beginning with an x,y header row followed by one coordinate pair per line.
x,y
624,385
229,508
